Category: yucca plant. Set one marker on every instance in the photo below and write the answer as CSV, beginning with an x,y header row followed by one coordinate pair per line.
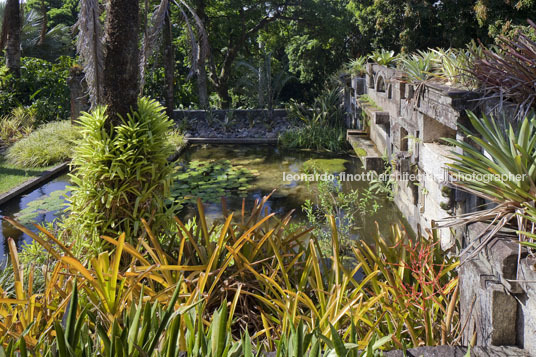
x,y
452,65
357,66
121,175
498,165
418,67
383,57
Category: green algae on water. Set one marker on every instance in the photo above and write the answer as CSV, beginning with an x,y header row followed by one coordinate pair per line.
x,y
324,165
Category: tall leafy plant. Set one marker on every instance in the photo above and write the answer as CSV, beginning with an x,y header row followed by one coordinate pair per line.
x,y
121,174
498,165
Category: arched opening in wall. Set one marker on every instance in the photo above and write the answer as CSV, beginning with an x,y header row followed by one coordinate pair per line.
x,y
403,139
380,85
390,91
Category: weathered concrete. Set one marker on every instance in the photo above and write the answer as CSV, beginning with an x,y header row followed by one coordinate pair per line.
x,y
407,123
366,151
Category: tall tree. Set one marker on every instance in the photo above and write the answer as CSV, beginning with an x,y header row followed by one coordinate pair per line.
x,y
169,65
10,37
121,58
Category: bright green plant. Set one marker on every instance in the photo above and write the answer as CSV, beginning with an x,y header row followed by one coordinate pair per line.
x,y
452,65
176,139
383,57
496,164
418,67
358,66
49,144
121,174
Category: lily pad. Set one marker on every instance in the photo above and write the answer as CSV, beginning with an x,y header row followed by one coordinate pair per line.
x,y
210,180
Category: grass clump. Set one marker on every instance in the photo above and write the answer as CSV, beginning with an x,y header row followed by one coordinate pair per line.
x,y
49,144
17,125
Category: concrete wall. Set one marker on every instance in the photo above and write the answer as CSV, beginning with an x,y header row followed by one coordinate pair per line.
x,y
407,124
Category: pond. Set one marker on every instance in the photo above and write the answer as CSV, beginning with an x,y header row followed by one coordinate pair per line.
x,y
44,204
236,172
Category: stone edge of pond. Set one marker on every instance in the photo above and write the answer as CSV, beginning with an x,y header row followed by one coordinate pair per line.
x,y
252,141
31,183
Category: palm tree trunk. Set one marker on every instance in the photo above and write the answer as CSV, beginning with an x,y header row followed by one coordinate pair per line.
x,y
11,35
121,71
169,66
44,23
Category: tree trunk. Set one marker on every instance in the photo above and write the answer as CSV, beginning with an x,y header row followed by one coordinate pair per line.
x,y
202,78
11,35
202,87
169,66
121,61
223,91
44,23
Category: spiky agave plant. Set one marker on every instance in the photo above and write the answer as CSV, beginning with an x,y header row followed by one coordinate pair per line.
x,y
383,57
498,165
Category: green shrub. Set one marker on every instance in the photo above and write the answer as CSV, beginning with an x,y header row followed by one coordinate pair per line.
x,y
42,87
358,66
319,127
176,139
121,174
384,57
18,124
49,144
315,138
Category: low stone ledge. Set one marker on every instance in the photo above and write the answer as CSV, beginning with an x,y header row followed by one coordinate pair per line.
x,y
245,141
28,185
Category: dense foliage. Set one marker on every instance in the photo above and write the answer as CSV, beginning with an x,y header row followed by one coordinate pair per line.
x,y
42,87
319,126
121,174
250,276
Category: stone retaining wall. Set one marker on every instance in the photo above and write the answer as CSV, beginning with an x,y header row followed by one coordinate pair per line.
x,y
406,125
220,114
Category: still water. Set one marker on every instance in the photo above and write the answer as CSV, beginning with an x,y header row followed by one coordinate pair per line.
x,y
46,203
